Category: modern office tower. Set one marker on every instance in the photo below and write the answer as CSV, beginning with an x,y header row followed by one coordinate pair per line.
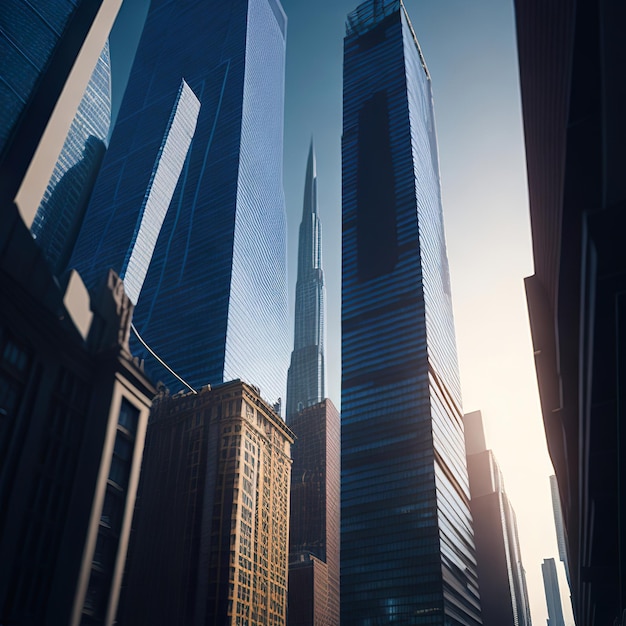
x,y
558,524
210,536
573,91
214,302
501,576
73,417
306,377
407,546
314,525
553,596
39,43
60,214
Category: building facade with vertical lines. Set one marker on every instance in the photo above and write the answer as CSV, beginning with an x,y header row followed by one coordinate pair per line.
x,y
407,546
58,220
214,301
210,540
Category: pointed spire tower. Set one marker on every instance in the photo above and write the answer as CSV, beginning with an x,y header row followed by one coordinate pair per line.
x,y
306,378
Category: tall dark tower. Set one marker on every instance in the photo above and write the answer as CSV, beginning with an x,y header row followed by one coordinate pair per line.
x,y
407,545
305,381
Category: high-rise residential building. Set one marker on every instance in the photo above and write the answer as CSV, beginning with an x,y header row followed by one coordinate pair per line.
x,y
573,91
210,536
306,378
407,546
60,214
501,575
314,526
558,524
39,44
214,301
73,416
553,595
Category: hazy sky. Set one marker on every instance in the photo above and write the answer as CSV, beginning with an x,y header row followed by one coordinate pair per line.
x,y
470,50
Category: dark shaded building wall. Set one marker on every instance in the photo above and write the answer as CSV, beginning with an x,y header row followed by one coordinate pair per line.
x,y
62,400
571,58
315,510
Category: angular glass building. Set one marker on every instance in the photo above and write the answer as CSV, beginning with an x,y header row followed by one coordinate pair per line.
x,y
60,214
214,302
39,42
306,378
407,547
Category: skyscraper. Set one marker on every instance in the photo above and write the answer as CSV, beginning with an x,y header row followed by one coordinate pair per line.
x,y
553,595
306,378
39,43
214,301
501,575
558,524
60,214
314,525
211,533
406,530
573,92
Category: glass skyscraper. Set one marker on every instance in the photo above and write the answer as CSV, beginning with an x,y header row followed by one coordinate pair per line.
x,y
306,379
39,42
214,301
407,547
60,214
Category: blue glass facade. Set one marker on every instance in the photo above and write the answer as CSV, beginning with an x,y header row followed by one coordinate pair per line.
x,y
29,35
306,378
165,174
406,532
214,301
60,214
39,42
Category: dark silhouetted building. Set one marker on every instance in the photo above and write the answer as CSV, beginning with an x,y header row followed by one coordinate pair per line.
x,y
553,595
214,301
314,525
571,58
501,575
306,377
211,530
73,417
407,546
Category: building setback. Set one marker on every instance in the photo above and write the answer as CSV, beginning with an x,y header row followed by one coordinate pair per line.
x,y
573,89
407,546
73,417
210,538
501,575
314,525
214,301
